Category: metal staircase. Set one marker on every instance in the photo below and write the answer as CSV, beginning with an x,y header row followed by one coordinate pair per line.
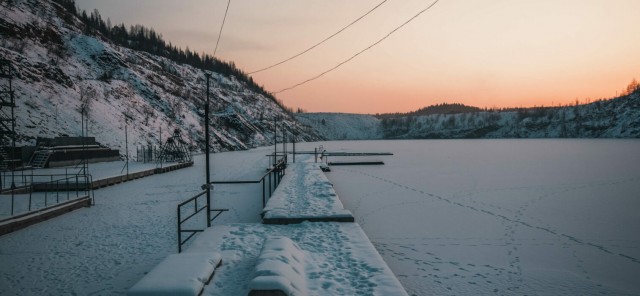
x,y
40,158
4,160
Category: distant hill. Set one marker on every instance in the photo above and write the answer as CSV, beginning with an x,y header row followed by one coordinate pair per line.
x,y
443,108
615,118
342,126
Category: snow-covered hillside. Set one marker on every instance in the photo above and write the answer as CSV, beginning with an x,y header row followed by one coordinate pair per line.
x,y
342,126
616,118
58,67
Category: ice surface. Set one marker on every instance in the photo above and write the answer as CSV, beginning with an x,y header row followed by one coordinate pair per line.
x,y
483,217
457,217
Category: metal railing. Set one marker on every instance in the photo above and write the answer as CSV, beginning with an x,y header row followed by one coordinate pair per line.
x,y
202,196
199,202
273,176
61,187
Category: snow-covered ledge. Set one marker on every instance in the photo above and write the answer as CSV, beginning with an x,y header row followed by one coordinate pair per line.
x,y
183,274
280,269
305,194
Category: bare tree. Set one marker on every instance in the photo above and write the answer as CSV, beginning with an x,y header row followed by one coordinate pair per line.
x,y
87,96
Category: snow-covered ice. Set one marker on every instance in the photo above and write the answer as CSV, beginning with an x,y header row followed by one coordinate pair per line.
x,y
504,217
456,217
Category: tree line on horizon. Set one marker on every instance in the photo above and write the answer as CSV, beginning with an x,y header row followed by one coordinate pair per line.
x,y
601,118
458,108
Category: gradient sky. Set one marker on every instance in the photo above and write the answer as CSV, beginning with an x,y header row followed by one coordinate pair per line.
x,y
486,53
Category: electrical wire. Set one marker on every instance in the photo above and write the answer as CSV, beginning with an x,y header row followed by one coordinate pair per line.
x,y
221,26
358,53
323,41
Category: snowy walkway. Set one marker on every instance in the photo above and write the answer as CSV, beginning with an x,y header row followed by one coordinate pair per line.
x,y
339,258
314,254
304,193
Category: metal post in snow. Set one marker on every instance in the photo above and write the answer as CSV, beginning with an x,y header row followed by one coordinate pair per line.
x,y
206,139
284,141
126,145
275,139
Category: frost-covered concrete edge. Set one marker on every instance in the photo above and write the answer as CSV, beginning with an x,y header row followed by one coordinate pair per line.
x,y
305,193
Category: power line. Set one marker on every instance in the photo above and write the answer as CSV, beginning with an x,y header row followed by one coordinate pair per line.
x,y
323,41
221,26
360,52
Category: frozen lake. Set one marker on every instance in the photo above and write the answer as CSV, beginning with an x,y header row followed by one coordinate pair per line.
x,y
451,217
480,217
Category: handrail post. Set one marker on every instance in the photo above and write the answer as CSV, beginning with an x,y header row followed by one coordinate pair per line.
x,y
179,231
206,136
57,191
264,200
30,195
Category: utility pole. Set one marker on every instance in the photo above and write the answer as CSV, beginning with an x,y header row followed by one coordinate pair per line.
x,y
206,151
275,139
284,141
126,145
160,147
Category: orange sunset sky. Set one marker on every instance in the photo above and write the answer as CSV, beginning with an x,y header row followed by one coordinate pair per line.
x,y
486,53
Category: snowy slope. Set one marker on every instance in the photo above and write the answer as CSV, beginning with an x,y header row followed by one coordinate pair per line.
x,y
616,118
57,67
342,126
